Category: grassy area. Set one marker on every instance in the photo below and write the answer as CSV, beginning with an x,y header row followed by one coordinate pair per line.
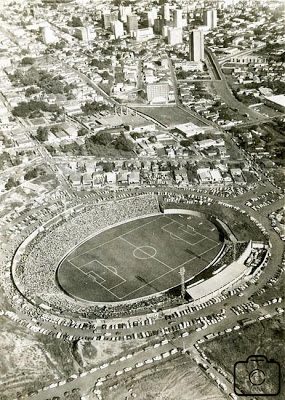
x,y
139,258
170,116
29,360
262,338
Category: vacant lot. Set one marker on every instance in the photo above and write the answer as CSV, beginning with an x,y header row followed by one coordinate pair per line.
x,y
170,116
179,379
261,338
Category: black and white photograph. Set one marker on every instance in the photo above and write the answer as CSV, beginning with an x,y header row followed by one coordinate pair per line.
x,y
142,199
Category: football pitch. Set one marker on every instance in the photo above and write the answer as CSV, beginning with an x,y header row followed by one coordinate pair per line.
x,y
139,258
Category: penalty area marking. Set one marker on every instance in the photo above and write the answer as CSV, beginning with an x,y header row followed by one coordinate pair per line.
x,y
112,269
174,236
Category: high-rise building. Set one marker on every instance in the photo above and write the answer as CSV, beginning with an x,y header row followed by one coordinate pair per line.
x,y
151,15
196,45
48,35
177,18
81,33
117,28
132,23
175,36
210,18
158,24
124,12
107,18
166,12
157,92
85,33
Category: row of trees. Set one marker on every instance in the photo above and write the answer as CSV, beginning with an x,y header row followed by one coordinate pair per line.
x,y
93,107
41,80
106,139
33,108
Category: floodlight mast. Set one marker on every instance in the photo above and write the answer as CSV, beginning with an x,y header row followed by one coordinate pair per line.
x,y
182,273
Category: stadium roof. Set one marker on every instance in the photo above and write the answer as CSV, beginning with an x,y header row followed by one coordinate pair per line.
x,y
218,281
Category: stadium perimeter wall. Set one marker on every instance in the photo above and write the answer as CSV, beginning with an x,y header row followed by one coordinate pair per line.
x,y
222,281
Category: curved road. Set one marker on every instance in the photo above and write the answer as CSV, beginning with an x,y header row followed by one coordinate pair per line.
x,y
88,380
224,90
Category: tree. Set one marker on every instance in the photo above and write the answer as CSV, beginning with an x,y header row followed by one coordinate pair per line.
x,y
33,173
75,22
122,143
93,107
103,138
11,183
105,75
42,133
82,132
28,61
108,167
31,90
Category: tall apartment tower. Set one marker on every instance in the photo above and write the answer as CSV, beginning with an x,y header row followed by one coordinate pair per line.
x,y
151,16
107,18
175,36
124,12
117,28
132,23
196,45
166,12
210,18
177,18
48,35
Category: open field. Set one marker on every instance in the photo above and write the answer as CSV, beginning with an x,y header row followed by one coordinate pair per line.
x,y
178,379
261,338
170,116
30,361
139,258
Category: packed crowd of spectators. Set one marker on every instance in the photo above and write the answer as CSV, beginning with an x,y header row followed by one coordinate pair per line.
x,y
35,273
242,224
36,269
230,255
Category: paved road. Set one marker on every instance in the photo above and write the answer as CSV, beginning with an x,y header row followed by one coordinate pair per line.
x,y
222,88
188,342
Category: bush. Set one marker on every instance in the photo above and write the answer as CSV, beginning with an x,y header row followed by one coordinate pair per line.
x,y
28,61
11,183
33,173
122,143
42,133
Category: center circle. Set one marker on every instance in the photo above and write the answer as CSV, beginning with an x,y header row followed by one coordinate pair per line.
x,y
144,252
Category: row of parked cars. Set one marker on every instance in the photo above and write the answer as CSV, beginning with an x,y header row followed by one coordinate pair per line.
x,y
273,301
140,364
245,308
274,197
128,324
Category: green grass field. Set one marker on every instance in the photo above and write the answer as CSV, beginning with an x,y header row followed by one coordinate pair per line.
x,y
170,116
139,258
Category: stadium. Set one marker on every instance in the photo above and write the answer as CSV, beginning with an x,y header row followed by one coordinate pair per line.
x,y
136,254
